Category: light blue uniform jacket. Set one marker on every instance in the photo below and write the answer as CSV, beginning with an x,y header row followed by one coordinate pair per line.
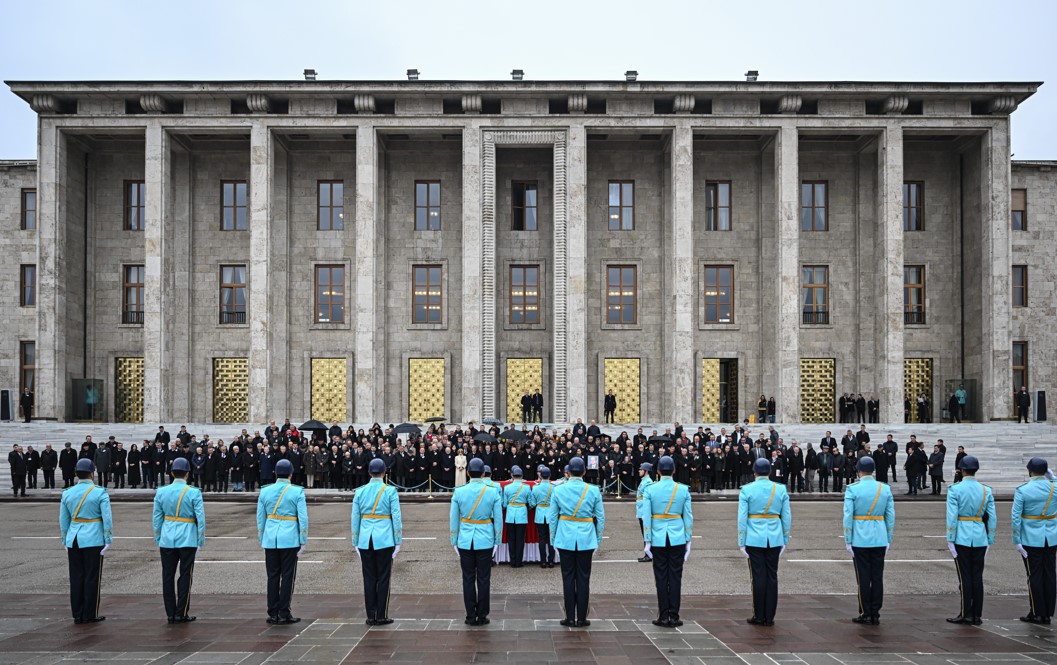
x,y
967,503
870,502
84,515
476,517
667,518
515,501
646,482
1033,500
540,499
763,497
179,516
577,515
376,516
282,516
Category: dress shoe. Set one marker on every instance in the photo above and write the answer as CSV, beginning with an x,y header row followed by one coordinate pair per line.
x,y
645,559
675,623
753,621
568,623
187,619
975,621
384,621
766,624
172,619
369,622
273,620
875,621
861,620
470,622
958,619
286,621
661,622
80,621
1045,621
582,624
483,621
1031,619
95,620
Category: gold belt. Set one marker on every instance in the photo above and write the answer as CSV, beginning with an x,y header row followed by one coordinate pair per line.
x,y
1041,517
469,521
568,518
288,518
83,520
666,516
543,505
872,518
187,520
962,518
517,505
764,516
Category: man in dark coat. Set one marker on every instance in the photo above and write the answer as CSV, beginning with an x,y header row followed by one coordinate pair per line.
x,y
68,463
25,402
49,461
1023,401
526,407
32,466
537,407
16,459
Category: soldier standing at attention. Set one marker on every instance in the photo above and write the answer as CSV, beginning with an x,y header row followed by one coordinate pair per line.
x,y
764,525
971,524
579,519
86,525
377,531
540,499
476,523
282,528
644,482
515,501
668,524
1035,537
179,530
869,526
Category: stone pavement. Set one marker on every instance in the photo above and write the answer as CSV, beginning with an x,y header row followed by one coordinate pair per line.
x,y
230,629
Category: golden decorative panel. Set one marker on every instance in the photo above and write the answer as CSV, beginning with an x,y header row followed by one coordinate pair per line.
x,y
817,389
231,390
728,391
523,375
917,379
128,390
623,378
329,390
425,388
710,390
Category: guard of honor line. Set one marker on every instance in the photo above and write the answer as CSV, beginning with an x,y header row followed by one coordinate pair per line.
x,y
569,519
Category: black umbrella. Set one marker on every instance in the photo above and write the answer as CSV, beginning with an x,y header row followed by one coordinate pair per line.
x,y
659,439
484,437
407,428
513,435
436,419
315,426
492,421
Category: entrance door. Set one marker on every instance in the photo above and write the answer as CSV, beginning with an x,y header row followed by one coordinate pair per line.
x,y
817,390
728,390
623,378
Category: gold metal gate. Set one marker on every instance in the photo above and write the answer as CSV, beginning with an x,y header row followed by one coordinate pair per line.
x,y
817,389
917,380
231,390
425,388
710,390
329,390
128,390
623,378
523,375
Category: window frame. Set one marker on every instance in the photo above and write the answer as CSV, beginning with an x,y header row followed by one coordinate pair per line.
x,y
814,313
1023,211
718,267
330,300
712,211
132,316
916,315
621,206
514,208
428,207
24,209
1023,369
813,206
330,208
27,291
23,367
920,207
141,208
428,284
234,204
511,308
634,294
1023,288
232,310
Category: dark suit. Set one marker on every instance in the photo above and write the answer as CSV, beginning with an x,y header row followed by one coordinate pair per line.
x,y
17,461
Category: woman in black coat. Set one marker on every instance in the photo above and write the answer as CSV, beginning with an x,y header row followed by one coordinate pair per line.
x,y
134,477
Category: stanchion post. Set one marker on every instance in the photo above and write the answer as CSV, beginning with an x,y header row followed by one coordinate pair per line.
x,y
617,481
430,486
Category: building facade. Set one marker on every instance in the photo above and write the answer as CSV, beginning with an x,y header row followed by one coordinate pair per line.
x,y
361,250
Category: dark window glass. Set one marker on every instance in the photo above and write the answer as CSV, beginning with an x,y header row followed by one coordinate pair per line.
x,y
330,294
524,294
815,294
27,279
232,294
717,206
1020,286
27,376
426,296
331,205
719,294
621,294
234,205
135,202
621,205
523,200
427,205
913,206
1020,365
132,298
1019,205
29,209
914,295
814,199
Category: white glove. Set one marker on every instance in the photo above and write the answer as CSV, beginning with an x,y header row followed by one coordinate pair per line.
x,y
687,555
456,548
847,546
954,551
1049,475
1023,552
301,551
396,550
647,549
495,551
987,548
107,546
886,548
358,556
781,551
744,552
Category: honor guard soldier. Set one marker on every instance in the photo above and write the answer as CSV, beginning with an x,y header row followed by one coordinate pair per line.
x,y
540,499
282,528
644,481
764,525
579,519
668,524
86,525
971,524
869,525
1035,537
179,530
476,522
515,501
377,531
488,479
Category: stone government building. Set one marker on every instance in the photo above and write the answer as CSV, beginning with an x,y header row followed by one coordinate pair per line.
x,y
386,250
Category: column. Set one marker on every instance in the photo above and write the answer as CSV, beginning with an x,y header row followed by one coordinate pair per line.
x,y
996,263
157,332
679,369
889,274
478,281
787,274
574,316
50,393
260,276
368,375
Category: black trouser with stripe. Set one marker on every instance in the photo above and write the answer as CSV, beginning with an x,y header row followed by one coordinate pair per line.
x,y
543,532
86,577
1041,565
177,595
515,535
668,576
869,573
763,571
476,581
576,582
377,567
970,567
281,564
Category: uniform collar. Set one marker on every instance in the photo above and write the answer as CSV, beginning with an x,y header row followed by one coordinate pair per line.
x,y
281,481
85,481
179,480
376,480
972,478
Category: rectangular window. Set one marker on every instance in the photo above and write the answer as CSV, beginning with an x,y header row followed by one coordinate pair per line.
x,y
913,206
815,294
132,298
1019,204
621,205
814,200
717,206
232,294
331,205
29,209
27,375
427,205
914,295
524,294
27,285
330,294
426,296
1020,365
523,198
1020,286
234,204
135,200
621,294
719,294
